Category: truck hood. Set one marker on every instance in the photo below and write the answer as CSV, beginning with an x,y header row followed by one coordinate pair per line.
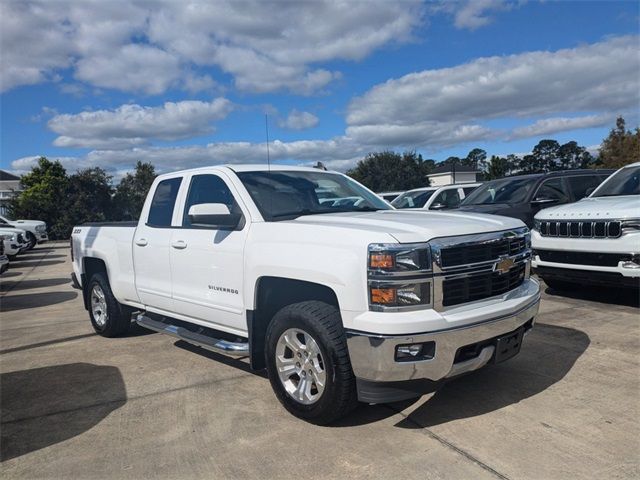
x,y
620,207
5,230
31,223
413,226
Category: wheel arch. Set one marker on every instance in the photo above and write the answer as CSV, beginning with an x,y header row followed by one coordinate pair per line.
x,y
271,295
91,266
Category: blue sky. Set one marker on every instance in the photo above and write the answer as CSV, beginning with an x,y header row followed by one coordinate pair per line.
x,y
183,85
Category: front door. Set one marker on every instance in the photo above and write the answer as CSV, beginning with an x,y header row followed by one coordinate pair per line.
x,y
207,262
151,245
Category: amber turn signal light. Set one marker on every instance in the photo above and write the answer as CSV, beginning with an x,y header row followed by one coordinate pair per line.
x,y
381,260
383,296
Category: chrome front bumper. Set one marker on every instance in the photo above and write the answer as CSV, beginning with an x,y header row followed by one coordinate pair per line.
x,y
373,356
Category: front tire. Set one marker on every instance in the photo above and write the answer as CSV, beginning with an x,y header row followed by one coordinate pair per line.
x,y
32,241
108,317
308,362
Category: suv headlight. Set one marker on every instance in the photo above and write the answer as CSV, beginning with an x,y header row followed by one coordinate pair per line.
x,y
41,228
399,276
630,225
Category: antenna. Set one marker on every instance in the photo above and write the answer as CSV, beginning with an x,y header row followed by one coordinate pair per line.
x,y
266,127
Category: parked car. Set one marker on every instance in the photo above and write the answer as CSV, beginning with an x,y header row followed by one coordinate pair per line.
x,y
4,260
435,198
36,230
525,195
14,240
390,196
594,241
340,304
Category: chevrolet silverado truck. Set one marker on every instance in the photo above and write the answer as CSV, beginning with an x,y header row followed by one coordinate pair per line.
x,y
340,302
594,241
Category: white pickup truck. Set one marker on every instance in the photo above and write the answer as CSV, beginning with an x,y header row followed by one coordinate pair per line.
x,y
340,302
594,241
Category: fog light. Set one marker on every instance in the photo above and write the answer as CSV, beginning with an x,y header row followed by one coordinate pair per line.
x,y
415,352
634,263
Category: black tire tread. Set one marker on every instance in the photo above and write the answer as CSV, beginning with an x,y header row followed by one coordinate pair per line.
x,y
327,318
119,319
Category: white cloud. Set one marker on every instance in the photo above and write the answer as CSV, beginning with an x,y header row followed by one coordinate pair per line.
x,y
602,77
339,152
547,126
297,120
150,47
131,125
473,14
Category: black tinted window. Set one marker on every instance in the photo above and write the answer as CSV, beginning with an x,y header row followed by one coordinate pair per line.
x,y
208,189
164,199
552,189
468,190
580,185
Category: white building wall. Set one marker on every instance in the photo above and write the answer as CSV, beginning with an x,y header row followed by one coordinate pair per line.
x,y
440,179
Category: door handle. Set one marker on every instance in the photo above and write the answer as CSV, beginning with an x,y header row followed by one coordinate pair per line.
x,y
179,244
141,242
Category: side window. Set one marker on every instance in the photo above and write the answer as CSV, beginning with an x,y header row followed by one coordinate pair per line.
x,y
164,199
552,189
208,189
580,185
449,198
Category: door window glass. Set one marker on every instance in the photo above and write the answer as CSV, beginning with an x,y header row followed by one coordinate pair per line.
x,y
449,198
552,189
580,185
208,189
164,199
468,190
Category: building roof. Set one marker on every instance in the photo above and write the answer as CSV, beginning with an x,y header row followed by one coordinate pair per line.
x,y
4,176
449,169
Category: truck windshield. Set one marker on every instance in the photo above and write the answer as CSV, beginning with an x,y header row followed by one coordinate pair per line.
x,y
283,195
413,199
625,181
507,190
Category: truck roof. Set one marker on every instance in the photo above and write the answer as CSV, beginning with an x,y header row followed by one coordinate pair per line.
x,y
259,167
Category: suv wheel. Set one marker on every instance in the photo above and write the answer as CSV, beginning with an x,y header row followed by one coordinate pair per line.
x,y
308,362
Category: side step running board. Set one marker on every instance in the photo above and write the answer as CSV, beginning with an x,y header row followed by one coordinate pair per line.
x,y
208,343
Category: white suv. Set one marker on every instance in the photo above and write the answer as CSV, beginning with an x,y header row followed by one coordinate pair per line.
x,y
435,198
594,241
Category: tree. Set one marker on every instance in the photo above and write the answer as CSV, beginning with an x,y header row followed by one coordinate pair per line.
x,y
476,158
132,191
387,171
44,197
571,155
497,167
621,147
89,197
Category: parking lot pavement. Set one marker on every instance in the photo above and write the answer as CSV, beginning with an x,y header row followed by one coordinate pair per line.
x,y
77,405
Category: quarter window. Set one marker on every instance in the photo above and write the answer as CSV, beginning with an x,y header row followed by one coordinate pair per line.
x,y
164,199
208,189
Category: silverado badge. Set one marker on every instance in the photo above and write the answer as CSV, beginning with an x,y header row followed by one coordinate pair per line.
x,y
503,266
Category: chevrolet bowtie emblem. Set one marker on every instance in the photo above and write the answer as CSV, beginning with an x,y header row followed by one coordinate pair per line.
x,y
503,266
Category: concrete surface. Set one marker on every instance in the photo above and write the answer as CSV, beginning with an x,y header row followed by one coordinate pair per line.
x,y
76,405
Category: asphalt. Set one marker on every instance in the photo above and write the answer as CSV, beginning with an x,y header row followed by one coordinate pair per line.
x,y
76,405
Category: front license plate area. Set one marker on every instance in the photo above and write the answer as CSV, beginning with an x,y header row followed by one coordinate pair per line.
x,y
508,345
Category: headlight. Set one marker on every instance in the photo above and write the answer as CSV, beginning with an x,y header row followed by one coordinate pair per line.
x,y
631,225
536,225
399,276
41,228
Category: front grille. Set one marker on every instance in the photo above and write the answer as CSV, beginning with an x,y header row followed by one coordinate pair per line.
x,y
481,252
481,285
584,229
583,258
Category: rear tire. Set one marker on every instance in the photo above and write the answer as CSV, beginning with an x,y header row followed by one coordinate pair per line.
x,y
313,330
108,317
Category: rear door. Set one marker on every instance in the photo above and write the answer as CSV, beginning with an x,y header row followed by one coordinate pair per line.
x,y
151,245
207,262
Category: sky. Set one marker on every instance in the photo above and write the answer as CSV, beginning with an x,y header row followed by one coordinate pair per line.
x,y
185,84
